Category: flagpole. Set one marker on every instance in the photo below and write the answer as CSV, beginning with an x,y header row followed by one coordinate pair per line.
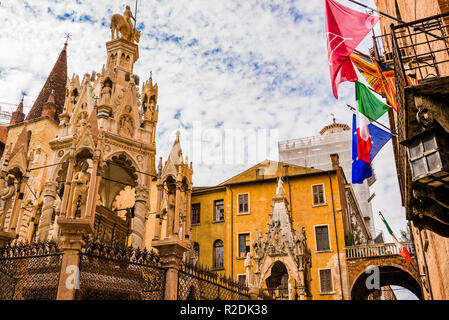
x,y
379,12
380,124
411,265
393,18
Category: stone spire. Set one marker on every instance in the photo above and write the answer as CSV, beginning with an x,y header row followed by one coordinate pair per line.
x,y
49,107
56,83
280,215
18,116
176,151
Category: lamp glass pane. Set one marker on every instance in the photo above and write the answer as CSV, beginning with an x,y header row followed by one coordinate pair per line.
x,y
419,167
433,161
429,143
415,149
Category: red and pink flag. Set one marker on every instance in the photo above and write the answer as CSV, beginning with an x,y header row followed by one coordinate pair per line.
x,y
345,29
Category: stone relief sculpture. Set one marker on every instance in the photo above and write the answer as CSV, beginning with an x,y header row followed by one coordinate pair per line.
x,y
122,24
80,184
5,198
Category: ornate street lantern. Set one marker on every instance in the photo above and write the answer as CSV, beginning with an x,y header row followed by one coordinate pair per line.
x,y
428,156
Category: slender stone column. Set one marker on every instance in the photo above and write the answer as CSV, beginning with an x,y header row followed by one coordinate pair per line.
x,y
92,186
17,205
157,227
140,208
188,224
94,202
67,186
50,190
177,208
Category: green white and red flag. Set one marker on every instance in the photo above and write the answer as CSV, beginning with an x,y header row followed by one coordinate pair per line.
x,y
402,249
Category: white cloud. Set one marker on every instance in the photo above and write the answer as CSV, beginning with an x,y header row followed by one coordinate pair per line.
x,y
231,64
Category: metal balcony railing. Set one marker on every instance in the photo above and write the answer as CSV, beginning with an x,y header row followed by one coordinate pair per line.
x,y
377,250
421,48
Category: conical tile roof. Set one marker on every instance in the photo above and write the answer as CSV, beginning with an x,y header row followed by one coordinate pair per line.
x,y
56,81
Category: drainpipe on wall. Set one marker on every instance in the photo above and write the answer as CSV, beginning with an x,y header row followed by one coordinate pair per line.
x,y
336,237
232,232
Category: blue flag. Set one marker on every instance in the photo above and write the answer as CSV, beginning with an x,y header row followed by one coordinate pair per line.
x,y
379,138
361,169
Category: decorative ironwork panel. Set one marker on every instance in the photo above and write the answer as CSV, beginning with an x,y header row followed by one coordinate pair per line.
x,y
120,273
195,283
30,271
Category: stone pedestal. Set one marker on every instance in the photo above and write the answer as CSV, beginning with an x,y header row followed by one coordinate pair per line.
x,y
73,231
171,252
6,237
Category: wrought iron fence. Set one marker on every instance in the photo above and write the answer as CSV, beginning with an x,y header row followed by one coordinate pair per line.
x,y
422,47
197,283
30,271
113,272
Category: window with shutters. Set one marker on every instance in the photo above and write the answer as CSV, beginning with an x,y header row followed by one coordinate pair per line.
x,y
218,254
196,214
244,245
243,203
322,238
326,281
318,195
218,210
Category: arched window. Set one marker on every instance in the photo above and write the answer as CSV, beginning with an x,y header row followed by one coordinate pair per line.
x,y
218,254
196,249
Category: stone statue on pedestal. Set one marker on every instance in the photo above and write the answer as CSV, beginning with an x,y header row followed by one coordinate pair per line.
x,y
5,198
80,184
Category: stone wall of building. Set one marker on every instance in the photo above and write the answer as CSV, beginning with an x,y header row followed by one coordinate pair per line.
x,y
432,249
433,259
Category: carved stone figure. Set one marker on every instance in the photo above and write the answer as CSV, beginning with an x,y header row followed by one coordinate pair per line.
x,y
248,267
149,109
80,184
258,246
5,198
171,213
81,121
106,94
124,25
126,126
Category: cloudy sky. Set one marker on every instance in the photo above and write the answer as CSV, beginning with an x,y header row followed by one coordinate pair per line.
x,y
220,66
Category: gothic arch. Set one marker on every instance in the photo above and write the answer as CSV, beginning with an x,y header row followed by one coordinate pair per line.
x,y
388,275
119,171
131,158
268,264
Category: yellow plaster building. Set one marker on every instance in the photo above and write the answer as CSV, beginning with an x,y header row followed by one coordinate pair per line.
x,y
229,220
